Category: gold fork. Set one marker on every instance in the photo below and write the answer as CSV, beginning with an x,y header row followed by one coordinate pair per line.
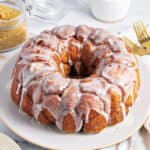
x,y
142,34
134,48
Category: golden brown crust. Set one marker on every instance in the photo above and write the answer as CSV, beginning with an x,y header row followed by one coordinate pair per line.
x,y
66,69
27,105
116,114
49,116
96,123
43,119
68,123
57,59
15,96
64,56
86,53
15,84
73,50
128,101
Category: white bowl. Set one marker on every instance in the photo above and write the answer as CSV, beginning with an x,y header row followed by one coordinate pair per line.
x,y
109,10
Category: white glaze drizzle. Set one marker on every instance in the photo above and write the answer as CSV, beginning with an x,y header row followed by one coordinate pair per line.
x,y
53,104
54,83
37,108
18,88
123,109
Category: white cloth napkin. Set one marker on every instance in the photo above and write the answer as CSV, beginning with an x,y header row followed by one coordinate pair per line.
x,y
146,61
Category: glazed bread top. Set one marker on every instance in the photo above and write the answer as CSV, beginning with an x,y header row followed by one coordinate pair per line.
x,y
75,69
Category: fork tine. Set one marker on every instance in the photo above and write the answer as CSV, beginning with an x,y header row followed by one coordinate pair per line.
x,y
146,34
141,29
137,31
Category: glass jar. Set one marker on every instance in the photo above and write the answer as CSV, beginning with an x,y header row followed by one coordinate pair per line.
x,y
13,29
47,11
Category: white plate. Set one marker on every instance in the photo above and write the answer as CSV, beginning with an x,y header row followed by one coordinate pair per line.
x,y
51,138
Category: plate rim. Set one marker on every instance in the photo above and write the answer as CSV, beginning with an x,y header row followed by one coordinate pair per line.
x,y
106,146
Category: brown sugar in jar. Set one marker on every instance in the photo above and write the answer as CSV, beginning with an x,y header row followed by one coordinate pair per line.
x,y
13,28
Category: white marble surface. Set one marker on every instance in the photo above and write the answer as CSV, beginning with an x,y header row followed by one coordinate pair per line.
x,y
78,15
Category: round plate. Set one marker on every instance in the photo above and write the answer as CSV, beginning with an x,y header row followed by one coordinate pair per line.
x,y
52,138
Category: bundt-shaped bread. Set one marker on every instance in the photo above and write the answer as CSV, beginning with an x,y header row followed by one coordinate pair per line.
x,y
78,78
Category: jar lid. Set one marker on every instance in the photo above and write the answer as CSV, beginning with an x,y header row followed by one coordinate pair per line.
x,y
46,10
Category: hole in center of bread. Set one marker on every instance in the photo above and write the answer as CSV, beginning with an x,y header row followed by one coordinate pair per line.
x,y
75,75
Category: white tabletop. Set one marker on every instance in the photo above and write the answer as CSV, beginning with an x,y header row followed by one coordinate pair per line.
x,y
81,15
